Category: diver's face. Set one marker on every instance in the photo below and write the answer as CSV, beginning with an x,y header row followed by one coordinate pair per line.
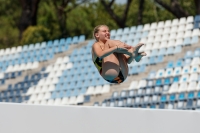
x,y
103,34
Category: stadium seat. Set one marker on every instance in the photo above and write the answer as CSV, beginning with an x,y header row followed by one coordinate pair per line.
x,y
146,27
155,99
167,81
160,73
162,51
189,104
139,28
185,70
195,39
159,82
133,29
163,98
169,71
191,95
172,97
137,101
142,84
168,23
190,19
187,40
195,69
180,105
183,87
146,100
174,88
184,78
132,93
123,94
129,102
160,24
195,61
126,30
197,53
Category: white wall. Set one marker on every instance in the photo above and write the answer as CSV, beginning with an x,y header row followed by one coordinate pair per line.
x,y
21,118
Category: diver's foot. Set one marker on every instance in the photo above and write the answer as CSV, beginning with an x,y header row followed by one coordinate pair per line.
x,y
139,56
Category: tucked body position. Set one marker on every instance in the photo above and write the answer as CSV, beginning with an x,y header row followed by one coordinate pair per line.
x,y
111,57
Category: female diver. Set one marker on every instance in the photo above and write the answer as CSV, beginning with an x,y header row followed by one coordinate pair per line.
x,y
111,56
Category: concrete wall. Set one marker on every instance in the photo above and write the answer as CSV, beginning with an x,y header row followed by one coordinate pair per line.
x,y
23,118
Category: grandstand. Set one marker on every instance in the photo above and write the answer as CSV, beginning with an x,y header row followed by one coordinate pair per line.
x,y
61,72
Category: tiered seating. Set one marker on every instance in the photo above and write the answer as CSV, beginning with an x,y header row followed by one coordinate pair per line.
x,y
16,60
177,86
73,79
161,39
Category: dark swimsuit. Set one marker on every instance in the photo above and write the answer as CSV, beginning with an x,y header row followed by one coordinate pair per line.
x,y
118,79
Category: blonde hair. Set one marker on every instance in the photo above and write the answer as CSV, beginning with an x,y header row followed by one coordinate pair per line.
x,y
96,30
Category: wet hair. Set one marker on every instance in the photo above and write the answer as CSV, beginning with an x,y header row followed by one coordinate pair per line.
x,y
96,30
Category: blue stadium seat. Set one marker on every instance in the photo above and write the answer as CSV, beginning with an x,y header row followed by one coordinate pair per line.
x,y
138,35
154,52
187,62
83,90
160,59
25,48
126,30
196,25
177,49
179,63
162,105
172,98
81,38
190,104
162,51
153,106
56,42
31,47
195,39
135,41
176,79
50,44
75,40
196,53
191,95
187,41
68,41
197,18
139,28
62,41
142,68
182,96
37,46
163,98
134,70
170,50
68,93
152,60
43,45
159,82
145,34
167,81
189,54
119,31
170,64
133,29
